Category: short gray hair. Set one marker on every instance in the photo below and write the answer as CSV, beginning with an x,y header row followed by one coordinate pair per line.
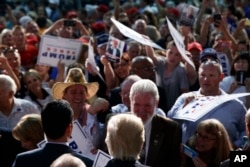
x,y
144,86
130,80
7,83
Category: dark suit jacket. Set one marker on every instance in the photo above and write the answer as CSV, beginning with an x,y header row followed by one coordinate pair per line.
x,y
116,50
114,96
43,157
9,148
164,144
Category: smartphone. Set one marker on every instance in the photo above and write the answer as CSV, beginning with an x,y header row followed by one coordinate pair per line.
x,y
241,77
247,23
69,23
216,18
189,151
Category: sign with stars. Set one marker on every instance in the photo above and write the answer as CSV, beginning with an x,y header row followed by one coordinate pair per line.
x,y
52,49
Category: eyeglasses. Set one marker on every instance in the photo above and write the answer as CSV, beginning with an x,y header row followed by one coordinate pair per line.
x,y
209,61
204,137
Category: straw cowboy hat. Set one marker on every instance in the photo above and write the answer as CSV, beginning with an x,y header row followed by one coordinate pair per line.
x,y
75,77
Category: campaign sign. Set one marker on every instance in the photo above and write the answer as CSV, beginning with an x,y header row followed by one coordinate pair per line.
x,y
91,61
114,49
79,141
101,159
179,42
202,105
52,49
130,33
239,158
225,63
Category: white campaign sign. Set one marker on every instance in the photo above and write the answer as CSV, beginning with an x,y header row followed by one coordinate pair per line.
x,y
202,105
128,32
178,40
52,49
101,159
91,60
79,141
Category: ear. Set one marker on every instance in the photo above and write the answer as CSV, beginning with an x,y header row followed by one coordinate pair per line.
x,y
157,103
69,130
11,94
222,76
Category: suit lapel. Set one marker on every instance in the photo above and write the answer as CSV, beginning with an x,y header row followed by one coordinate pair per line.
x,y
156,139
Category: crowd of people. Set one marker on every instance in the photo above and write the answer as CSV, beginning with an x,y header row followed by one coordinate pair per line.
x,y
143,109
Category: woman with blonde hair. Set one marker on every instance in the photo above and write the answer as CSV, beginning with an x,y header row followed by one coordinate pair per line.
x,y
37,93
6,37
211,142
29,131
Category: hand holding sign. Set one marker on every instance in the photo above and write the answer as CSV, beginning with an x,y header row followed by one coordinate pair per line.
x,y
202,105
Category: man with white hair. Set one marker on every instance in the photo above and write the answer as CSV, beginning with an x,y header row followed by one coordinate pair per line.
x,y
11,108
11,111
162,135
125,89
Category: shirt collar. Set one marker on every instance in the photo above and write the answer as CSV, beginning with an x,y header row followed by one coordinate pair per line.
x,y
17,106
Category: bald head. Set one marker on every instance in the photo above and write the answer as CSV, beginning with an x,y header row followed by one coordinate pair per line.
x,y
143,66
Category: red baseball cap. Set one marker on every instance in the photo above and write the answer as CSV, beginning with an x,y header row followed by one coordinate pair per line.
x,y
102,8
194,45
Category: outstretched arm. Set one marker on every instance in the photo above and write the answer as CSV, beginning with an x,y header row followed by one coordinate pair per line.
x,y
8,70
110,78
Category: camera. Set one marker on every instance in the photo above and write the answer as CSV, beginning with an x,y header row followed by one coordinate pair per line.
x,y
217,17
69,23
241,77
